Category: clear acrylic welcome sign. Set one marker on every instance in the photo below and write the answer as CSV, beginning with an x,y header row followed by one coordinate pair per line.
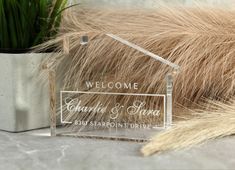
x,y
110,108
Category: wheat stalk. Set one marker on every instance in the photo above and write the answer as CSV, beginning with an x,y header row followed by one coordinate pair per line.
x,y
210,125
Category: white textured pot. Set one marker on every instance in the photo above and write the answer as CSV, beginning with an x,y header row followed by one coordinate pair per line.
x,y
24,101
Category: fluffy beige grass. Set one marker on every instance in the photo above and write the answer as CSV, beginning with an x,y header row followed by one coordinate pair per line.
x,y
201,41
210,125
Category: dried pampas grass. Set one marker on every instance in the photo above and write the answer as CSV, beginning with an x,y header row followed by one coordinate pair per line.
x,y
200,40
210,125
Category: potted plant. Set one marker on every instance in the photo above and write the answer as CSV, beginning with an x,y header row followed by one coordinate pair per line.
x,y
23,24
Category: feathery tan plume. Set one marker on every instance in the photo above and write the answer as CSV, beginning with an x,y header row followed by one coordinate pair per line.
x,y
200,40
210,125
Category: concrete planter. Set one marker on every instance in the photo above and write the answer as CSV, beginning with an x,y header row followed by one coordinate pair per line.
x,y
24,100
